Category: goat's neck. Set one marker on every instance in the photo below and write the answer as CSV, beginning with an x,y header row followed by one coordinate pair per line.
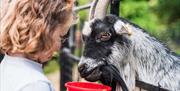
x,y
150,58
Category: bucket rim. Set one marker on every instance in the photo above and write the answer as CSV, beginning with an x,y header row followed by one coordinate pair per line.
x,y
107,88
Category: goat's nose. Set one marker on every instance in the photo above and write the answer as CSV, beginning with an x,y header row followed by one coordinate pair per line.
x,y
82,67
83,70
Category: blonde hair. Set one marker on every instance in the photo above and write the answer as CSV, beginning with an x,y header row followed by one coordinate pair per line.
x,y
28,25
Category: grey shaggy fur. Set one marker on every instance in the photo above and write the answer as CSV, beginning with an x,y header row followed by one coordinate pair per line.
x,y
143,58
148,60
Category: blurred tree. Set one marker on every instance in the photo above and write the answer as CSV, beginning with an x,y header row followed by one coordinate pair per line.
x,y
169,11
161,18
141,12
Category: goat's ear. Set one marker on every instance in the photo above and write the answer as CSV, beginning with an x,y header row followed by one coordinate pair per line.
x,y
122,28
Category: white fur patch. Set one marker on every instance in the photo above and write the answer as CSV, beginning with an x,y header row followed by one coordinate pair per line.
x,y
87,29
118,25
122,28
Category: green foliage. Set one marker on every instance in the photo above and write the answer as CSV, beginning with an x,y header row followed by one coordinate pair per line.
x,y
83,14
161,18
169,11
141,13
51,66
174,31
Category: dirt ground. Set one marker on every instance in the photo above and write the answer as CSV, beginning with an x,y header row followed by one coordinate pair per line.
x,y
55,78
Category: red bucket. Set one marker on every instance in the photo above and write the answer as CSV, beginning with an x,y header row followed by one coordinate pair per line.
x,y
86,86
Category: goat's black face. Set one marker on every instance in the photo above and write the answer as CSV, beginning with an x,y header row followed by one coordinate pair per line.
x,y
99,38
97,49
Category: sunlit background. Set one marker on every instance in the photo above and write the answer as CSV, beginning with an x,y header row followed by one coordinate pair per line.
x,y
160,18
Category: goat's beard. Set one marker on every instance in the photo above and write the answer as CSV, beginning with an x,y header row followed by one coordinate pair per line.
x,y
108,78
108,75
95,75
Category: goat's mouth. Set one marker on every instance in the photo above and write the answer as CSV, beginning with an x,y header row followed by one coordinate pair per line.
x,y
93,75
108,75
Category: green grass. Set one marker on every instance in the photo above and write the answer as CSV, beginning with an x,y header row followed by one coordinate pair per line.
x,y
51,66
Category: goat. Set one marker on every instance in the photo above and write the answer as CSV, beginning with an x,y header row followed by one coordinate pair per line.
x,y
137,55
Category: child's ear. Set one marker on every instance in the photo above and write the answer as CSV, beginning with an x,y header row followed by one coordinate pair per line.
x,y
121,28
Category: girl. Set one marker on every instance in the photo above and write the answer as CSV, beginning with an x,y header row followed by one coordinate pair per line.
x,y
30,32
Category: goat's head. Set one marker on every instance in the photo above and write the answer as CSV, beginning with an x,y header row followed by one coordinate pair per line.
x,y
106,43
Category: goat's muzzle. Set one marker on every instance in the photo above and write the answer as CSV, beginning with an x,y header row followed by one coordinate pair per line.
x,y
90,75
89,70
107,74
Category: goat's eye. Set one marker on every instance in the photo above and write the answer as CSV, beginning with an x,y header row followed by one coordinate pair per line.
x,y
103,36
